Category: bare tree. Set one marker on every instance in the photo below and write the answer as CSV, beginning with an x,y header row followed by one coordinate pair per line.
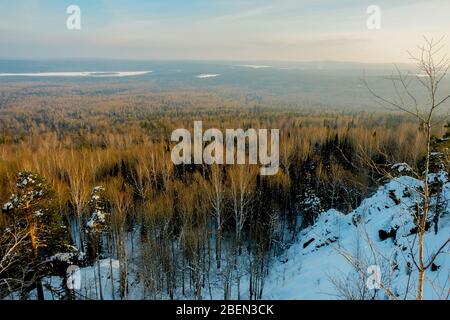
x,y
79,191
121,198
140,177
241,177
433,66
13,269
216,195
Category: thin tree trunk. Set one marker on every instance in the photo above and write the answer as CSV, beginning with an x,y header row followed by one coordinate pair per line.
x,y
422,219
218,245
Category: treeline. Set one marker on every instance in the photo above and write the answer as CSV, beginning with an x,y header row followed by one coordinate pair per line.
x,y
188,230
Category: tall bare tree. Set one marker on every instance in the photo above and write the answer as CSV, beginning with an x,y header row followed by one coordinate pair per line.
x,y
242,178
79,186
216,195
121,199
433,67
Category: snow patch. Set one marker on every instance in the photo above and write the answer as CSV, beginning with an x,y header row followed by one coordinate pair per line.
x,y
207,75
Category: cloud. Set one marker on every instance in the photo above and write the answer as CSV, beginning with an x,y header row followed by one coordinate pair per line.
x,y
223,29
244,14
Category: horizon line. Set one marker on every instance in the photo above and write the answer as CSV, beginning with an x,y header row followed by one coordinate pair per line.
x,y
198,60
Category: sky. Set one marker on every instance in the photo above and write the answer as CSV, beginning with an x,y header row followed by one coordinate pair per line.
x,y
253,30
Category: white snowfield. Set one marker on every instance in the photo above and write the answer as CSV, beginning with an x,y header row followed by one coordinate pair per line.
x,y
330,259
207,75
99,74
253,66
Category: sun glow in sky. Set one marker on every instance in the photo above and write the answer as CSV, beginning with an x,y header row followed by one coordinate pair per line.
x,y
294,30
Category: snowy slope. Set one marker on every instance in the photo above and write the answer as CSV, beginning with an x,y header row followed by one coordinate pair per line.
x,y
331,259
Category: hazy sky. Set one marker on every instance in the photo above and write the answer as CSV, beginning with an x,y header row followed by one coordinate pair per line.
x,y
220,29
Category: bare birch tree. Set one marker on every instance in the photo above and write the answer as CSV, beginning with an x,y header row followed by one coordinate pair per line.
x,y
433,67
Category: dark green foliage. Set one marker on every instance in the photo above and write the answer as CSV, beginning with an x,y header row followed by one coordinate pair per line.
x,y
37,230
33,207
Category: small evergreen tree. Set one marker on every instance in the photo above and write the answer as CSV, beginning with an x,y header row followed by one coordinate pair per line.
x,y
98,222
32,209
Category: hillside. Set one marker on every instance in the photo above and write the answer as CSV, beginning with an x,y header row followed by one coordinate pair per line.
x,y
331,258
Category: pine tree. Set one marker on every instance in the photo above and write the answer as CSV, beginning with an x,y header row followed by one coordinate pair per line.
x,y
32,208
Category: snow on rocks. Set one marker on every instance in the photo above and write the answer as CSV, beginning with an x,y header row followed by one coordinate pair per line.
x,y
331,258
401,168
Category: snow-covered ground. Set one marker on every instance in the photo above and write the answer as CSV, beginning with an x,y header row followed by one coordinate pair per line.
x,y
334,259
207,75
